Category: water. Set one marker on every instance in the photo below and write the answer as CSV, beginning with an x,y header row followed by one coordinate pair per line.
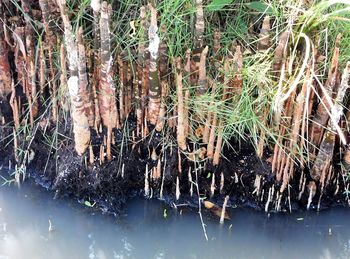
x,y
146,232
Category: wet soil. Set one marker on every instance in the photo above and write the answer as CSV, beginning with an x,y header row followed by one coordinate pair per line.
x,y
112,183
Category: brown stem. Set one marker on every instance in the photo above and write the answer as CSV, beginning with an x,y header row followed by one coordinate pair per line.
x,y
80,120
202,73
181,138
322,116
218,146
264,37
106,94
155,89
212,136
5,73
83,79
325,154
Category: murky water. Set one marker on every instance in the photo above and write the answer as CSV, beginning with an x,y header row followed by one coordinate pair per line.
x,y
151,230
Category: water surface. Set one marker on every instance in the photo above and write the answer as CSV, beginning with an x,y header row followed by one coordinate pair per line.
x,y
152,230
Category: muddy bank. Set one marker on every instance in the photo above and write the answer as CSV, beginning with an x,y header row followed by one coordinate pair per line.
x,y
244,177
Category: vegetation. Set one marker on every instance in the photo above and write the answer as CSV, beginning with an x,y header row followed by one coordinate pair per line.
x,y
188,79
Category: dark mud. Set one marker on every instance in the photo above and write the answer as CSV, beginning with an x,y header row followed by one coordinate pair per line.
x,y
111,184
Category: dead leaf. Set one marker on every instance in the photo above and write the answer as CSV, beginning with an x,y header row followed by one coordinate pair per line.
x,y
215,209
20,44
199,132
208,204
132,25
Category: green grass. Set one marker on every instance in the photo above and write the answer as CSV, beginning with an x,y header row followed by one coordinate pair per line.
x,y
238,21
242,115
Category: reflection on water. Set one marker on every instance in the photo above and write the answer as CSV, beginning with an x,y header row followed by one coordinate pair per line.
x,y
145,233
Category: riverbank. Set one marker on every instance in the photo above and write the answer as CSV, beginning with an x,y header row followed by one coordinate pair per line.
x,y
242,176
186,101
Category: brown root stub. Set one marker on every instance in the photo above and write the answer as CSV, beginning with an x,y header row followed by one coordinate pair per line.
x,y
162,111
218,147
322,116
344,85
30,86
198,43
47,7
212,137
5,73
264,36
202,72
280,52
199,25
237,64
63,78
155,88
76,92
324,157
106,91
187,70
181,137
83,80
325,154
296,126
